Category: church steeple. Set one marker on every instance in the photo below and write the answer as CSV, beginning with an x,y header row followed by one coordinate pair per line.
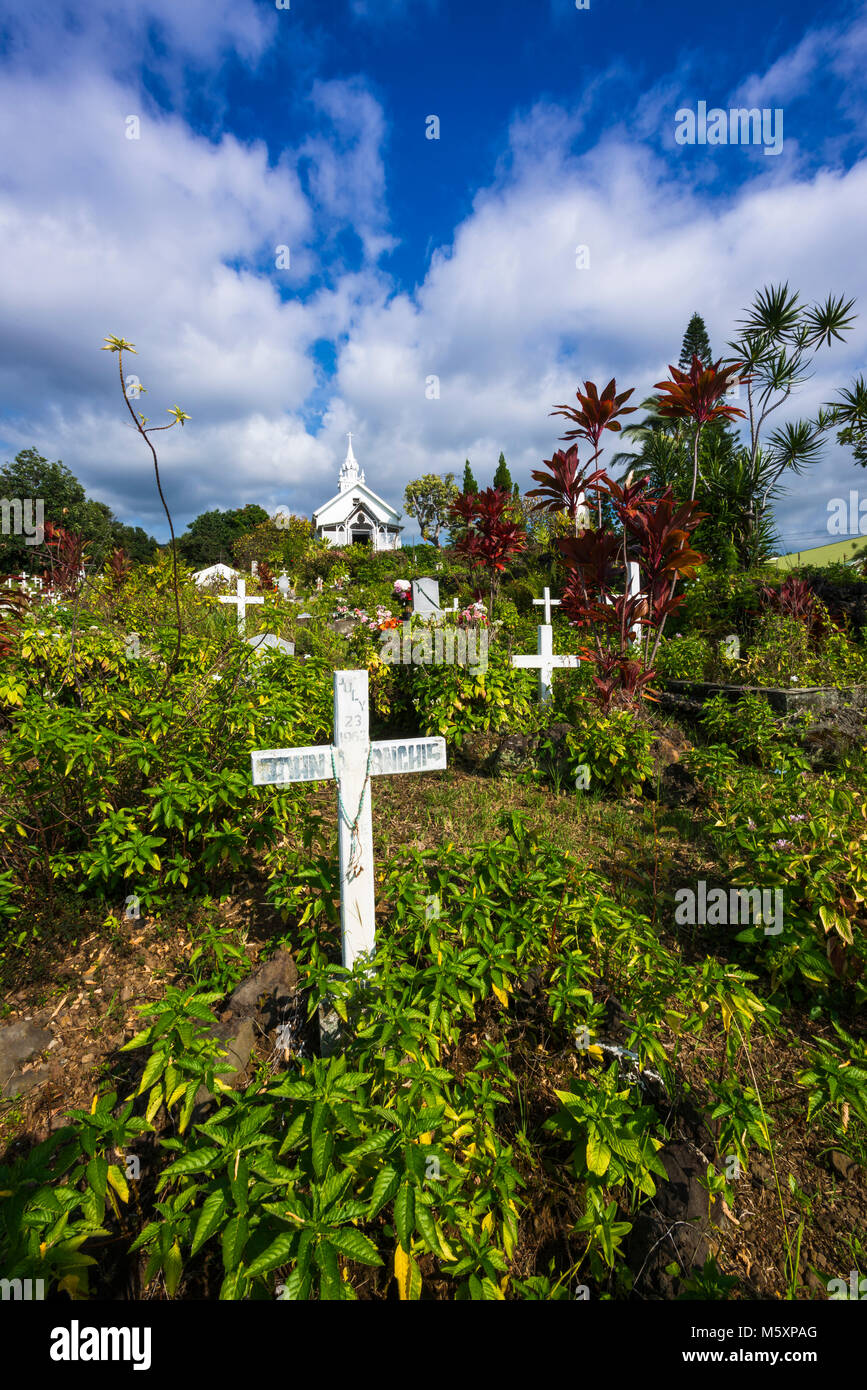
x,y
349,474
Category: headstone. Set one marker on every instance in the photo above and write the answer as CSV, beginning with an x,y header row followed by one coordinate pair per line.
x,y
545,661
265,642
254,568
241,602
547,602
213,574
319,584
426,597
353,760
304,618
283,584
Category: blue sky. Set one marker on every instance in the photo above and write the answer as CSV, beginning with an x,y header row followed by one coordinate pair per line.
x,y
409,258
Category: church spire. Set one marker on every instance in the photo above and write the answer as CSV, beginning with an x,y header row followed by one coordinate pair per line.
x,y
349,475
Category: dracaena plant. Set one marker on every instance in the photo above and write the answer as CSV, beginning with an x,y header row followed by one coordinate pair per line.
x,y
779,338
698,395
491,539
656,535
594,415
68,553
564,486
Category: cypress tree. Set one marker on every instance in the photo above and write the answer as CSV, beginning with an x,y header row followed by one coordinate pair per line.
x,y
695,341
502,477
470,484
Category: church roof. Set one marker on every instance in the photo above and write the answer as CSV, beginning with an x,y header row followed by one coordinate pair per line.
x,y
352,487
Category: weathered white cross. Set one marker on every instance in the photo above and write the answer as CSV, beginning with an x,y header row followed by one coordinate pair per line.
x,y
546,661
633,590
352,760
241,602
547,602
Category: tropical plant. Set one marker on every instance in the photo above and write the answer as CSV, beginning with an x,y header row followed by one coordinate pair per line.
x,y
697,395
594,415
429,499
491,539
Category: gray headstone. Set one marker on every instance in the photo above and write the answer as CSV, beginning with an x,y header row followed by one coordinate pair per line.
x,y
265,642
426,597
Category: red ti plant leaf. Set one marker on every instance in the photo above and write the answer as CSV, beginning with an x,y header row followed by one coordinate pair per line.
x,y
564,485
697,395
119,567
68,553
590,559
266,576
596,414
491,539
795,599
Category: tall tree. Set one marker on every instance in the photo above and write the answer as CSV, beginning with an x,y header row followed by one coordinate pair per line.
x,y
470,484
696,343
211,537
502,477
64,503
135,542
428,499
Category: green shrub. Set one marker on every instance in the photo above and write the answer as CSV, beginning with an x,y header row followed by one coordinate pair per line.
x,y
684,658
616,747
454,701
746,724
718,603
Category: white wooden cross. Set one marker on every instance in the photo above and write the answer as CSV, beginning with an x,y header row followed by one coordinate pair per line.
x,y
546,661
547,602
633,590
352,760
241,601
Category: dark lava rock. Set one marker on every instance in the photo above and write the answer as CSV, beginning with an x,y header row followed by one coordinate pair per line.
x,y
237,1037
833,736
843,1165
673,1228
514,753
267,991
18,1042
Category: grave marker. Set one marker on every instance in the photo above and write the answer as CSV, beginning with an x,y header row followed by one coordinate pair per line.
x,y
352,760
547,602
545,660
265,642
241,602
426,597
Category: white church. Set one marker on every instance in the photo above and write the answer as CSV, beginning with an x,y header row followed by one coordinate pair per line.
x,y
355,515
